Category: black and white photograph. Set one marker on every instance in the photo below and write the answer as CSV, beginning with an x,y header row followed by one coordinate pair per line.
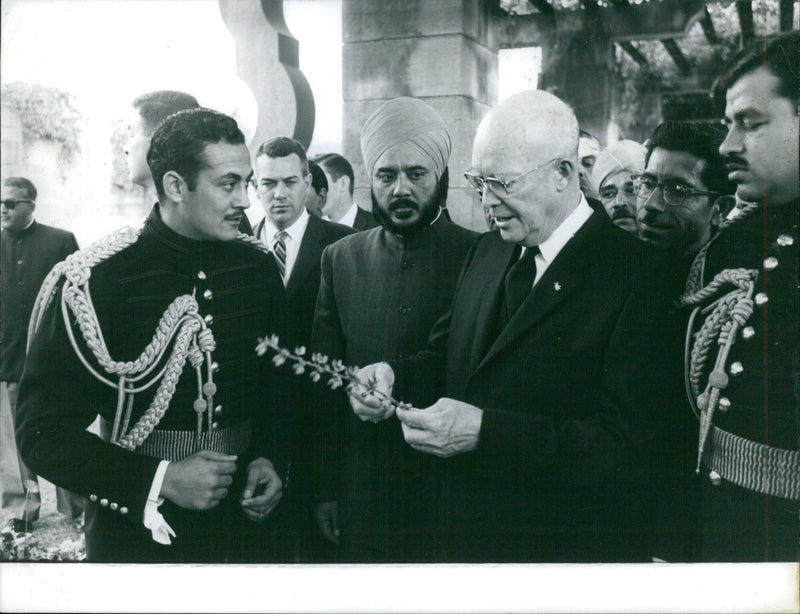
x,y
400,305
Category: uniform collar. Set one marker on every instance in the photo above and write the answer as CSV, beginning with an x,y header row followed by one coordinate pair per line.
x,y
166,235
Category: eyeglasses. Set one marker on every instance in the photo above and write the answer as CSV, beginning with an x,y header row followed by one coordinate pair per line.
x,y
498,186
11,203
675,194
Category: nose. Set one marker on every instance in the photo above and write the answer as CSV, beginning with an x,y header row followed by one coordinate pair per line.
x,y
733,143
280,190
402,186
655,202
241,199
489,198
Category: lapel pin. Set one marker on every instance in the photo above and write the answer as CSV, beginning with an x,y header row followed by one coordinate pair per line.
x,y
557,286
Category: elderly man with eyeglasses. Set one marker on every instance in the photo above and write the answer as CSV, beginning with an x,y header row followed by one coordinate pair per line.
x,y
543,386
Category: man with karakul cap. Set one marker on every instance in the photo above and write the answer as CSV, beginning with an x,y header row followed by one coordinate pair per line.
x,y
612,177
380,294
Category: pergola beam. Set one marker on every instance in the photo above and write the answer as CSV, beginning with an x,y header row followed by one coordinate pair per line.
x,y
745,11
633,52
708,27
786,15
677,55
543,6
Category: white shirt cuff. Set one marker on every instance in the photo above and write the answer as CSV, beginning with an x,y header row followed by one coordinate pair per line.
x,y
153,519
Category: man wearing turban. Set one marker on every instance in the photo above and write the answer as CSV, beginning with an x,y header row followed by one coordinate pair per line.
x,y
380,294
612,177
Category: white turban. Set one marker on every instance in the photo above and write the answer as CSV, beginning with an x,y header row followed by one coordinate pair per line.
x,y
406,120
621,156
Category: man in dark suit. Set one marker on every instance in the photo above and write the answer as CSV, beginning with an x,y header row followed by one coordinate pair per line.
x,y
380,293
194,448
546,369
29,251
339,205
296,240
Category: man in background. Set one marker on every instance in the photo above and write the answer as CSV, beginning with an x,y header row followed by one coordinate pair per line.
x,y
29,251
297,240
684,192
340,206
317,192
612,178
149,110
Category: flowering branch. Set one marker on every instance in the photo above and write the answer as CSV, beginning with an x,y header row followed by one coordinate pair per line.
x,y
319,366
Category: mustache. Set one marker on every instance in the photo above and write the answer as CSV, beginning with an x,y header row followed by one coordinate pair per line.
x,y
621,212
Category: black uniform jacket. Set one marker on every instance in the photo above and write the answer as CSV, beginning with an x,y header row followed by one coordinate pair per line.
x,y
571,393
737,524
240,296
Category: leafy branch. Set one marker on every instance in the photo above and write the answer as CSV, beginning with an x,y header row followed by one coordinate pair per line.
x,y
319,366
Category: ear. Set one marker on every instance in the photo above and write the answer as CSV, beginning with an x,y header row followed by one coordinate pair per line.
x,y
344,182
721,208
323,197
565,169
174,186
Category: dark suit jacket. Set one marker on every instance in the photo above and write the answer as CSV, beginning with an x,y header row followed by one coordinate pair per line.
x,y
303,285
364,220
571,391
27,257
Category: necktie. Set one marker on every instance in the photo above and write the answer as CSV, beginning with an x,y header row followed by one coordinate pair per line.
x,y
519,281
279,249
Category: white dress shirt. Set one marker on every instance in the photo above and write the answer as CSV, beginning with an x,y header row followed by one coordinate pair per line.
x,y
294,237
550,247
349,218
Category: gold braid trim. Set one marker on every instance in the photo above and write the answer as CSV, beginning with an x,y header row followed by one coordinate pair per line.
x,y
729,304
180,326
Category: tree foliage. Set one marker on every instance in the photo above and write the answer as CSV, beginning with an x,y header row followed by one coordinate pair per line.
x,y
46,113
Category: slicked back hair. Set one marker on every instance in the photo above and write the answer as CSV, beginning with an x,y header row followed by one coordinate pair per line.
x,y
699,139
281,147
779,53
337,166
22,183
318,178
180,140
155,107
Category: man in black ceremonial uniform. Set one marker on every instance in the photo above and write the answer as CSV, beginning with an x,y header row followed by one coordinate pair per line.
x,y
162,348
744,364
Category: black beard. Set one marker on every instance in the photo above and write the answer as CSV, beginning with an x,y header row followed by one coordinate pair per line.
x,y
427,214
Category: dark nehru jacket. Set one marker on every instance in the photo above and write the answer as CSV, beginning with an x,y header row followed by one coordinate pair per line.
x,y
380,295
27,257
240,296
761,402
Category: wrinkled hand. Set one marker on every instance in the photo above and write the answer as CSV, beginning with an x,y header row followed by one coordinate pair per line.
x,y
367,406
261,473
327,516
200,481
446,428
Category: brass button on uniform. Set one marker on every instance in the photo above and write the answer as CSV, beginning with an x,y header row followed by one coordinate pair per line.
x,y
209,319
93,498
785,240
113,506
201,275
770,263
208,295
748,332
104,502
724,404
736,368
761,298
123,510
715,478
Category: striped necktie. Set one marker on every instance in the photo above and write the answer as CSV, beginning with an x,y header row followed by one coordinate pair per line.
x,y
519,281
279,249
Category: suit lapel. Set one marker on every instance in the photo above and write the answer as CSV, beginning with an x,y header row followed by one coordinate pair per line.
x,y
563,277
307,257
488,297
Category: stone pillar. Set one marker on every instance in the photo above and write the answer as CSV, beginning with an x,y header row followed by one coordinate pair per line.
x,y
441,51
